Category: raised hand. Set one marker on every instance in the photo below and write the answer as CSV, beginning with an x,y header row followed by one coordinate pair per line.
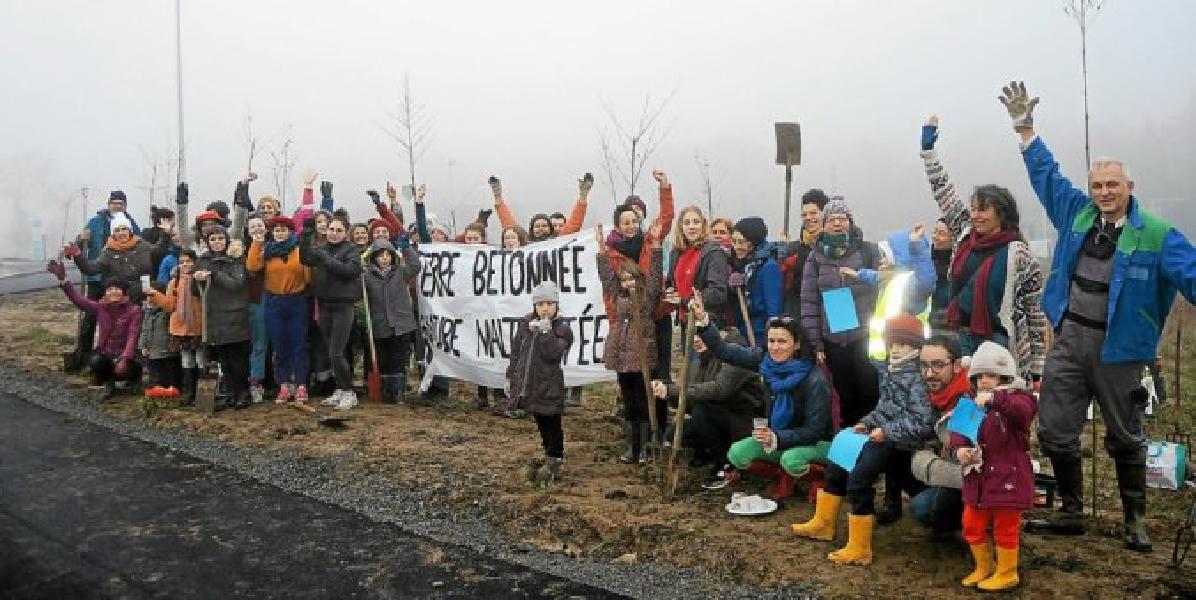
x,y
654,236
391,192
57,269
698,307
182,193
1019,104
585,184
915,234
309,177
236,248
660,177
325,189
600,238
495,186
930,133
373,194
420,193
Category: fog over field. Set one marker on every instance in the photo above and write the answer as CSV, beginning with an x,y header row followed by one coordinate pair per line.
x,y
524,90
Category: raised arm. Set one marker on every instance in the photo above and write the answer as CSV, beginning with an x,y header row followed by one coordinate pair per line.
x,y
578,214
182,218
505,217
1027,292
665,218
732,354
955,214
1178,264
305,209
421,216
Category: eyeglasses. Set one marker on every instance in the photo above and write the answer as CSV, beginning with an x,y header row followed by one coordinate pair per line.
x,y
933,365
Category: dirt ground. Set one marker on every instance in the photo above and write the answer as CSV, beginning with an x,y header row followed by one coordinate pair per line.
x,y
616,512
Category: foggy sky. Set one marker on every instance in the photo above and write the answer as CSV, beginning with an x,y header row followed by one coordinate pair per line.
x,y
516,89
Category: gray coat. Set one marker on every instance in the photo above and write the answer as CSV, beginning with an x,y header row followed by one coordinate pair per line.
x,y
534,372
903,411
389,296
227,319
154,340
821,274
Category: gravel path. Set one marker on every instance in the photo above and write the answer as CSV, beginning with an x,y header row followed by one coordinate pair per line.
x,y
340,481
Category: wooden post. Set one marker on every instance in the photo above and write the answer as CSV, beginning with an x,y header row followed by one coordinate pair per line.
x,y
747,318
673,476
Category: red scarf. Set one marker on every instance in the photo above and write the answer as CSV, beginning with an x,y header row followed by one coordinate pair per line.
x,y
981,324
946,399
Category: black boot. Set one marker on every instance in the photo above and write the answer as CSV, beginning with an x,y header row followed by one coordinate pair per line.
x,y
1069,519
1131,482
631,435
890,511
190,383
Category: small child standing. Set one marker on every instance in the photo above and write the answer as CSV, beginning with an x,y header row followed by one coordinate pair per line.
x,y
535,378
998,481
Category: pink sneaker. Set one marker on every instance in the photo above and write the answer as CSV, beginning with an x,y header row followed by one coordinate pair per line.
x,y
284,393
301,395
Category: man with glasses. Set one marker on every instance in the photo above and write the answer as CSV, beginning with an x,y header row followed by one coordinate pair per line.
x,y
940,505
1114,276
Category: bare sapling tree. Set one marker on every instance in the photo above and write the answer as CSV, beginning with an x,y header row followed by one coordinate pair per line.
x,y
283,160
704,170
251,142
627,147
1083,11
410,128
157,171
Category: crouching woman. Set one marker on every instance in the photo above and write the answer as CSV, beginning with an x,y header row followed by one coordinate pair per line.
x,y
119,323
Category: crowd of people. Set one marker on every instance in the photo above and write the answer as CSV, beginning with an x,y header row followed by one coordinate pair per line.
x,y
960,310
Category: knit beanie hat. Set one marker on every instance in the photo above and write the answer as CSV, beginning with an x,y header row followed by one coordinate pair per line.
x,y
376,223
282,221
119,221
118,195
220,207
837,206
752,228
993,359
546,292
904,328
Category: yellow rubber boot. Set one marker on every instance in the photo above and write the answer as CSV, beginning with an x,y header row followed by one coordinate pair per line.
x,y
822,525
983,553
1005,578
858,550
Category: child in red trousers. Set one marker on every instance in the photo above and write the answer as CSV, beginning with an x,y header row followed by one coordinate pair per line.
x,y
998,481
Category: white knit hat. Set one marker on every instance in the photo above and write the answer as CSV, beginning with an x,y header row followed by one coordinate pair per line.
x,y
546,292
119,221
994,359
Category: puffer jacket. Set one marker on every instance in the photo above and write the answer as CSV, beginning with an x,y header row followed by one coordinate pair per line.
x,y
336,269
118,326
632,332
391,309
154,342
1006,477
811,419
821,275
129,265
716,383
227,299
535,372
903,410
934,466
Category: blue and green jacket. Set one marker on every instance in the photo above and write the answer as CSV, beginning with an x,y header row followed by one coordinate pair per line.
x,y
1152,262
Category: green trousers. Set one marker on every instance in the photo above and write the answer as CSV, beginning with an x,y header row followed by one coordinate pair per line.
x,y
794,460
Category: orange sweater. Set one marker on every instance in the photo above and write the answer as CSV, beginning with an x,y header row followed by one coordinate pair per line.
x,y
170,301
572,223
283,277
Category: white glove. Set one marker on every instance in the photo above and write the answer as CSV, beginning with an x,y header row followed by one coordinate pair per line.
x,y
545,325
1019,104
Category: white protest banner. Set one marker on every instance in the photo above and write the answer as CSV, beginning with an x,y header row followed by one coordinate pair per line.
x,y
472,296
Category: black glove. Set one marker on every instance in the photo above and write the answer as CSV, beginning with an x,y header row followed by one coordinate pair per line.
x,y
484,215
373,194
325,189
241,196
182,193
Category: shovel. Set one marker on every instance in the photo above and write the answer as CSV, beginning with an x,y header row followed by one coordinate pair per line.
x,y
747,318
373,381
205,400
672,475
653,446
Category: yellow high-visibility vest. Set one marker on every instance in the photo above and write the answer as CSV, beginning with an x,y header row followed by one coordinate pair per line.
x,y
889,304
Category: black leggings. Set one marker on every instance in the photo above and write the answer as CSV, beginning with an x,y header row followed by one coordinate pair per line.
x,y
103,370
635,405
858,484
552,435
234,364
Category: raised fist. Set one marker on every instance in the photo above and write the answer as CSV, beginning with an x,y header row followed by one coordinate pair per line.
x,y
495,186
586,183
325,189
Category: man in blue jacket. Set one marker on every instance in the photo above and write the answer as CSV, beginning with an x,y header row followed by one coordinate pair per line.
x,y
92,239
1113,278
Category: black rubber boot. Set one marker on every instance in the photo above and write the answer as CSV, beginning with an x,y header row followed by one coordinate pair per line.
x,y
890,511
1131,482
190,383
1069,519
631,435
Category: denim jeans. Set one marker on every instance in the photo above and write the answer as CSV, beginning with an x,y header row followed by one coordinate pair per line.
x,y
939,508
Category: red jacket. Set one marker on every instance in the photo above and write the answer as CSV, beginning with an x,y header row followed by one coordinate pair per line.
x,y
1006,479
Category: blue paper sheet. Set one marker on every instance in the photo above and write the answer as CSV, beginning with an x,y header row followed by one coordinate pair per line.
x,y
846,448
839,306
966,419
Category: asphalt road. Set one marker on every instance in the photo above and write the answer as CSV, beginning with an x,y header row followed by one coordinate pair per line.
x,y
88,513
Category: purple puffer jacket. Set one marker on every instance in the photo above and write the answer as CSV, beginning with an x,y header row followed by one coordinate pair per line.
x,y
821,274
117,325
1006,479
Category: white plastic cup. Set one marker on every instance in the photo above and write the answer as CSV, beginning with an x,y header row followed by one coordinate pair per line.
x,y
759,423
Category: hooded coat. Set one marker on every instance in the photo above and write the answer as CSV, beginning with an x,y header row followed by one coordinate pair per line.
x,y
726,385
128,264
392,312
227,299
534,372
822,275
1006,479
903,410
761,291
118,326
100,227
632,335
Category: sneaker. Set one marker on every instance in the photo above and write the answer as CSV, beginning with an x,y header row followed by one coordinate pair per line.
x,y
333,399
301,394
284,393
256,393
348,399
